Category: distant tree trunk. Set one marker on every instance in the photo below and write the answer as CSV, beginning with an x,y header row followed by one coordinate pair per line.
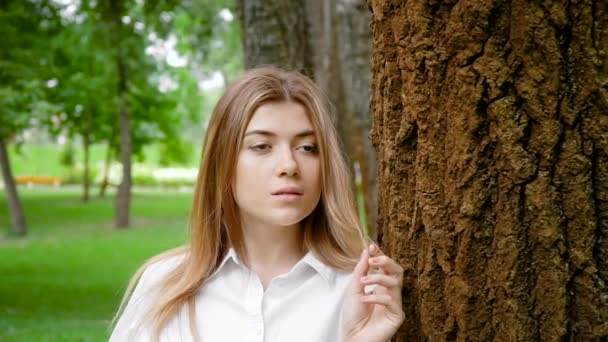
x,y
85,181
15,210
353,47
275,32
327,72
341,40
86,144
490,123
106,170
123,197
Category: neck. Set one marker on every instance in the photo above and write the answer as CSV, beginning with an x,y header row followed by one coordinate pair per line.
x,y
272,249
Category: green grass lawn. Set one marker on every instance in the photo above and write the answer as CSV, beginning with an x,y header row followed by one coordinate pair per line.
x,y
43,160
64,281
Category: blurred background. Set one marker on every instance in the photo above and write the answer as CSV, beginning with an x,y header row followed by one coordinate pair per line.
x,y
103,110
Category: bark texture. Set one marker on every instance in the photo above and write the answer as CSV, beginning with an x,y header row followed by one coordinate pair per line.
x,y
275,32
15,210
490,123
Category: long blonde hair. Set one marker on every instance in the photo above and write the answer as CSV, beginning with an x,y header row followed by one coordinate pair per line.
x,y
332,231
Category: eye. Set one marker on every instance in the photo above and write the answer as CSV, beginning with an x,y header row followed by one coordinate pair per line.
x,y
310,148
260,147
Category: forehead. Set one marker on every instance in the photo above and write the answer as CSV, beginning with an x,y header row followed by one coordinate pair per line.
x,y
281,118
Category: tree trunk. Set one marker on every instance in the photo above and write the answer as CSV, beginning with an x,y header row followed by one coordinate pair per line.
x,y
85,180
86,144
354,49
106,170
489,120
341,40
18,225
324,40
123,197
275,32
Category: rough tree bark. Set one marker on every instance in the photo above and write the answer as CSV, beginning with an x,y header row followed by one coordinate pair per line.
x,y
490,123
275,32
15,210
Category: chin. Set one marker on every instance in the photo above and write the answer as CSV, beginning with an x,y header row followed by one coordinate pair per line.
x,y
286,219
284,222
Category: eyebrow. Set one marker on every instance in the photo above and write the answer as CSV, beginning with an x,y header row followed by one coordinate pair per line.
x,y
302,134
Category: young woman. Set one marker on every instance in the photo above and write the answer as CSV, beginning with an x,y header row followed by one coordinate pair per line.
x,y
276,251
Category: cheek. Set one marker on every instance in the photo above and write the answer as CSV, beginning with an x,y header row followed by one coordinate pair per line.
x,y
314,175
247,183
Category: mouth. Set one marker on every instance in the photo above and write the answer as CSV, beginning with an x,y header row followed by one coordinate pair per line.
x,y
288,191
288,194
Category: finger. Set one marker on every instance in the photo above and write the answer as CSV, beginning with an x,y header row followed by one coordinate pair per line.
x,y
382,299
374,250
390,300
385,280
361,270
387,264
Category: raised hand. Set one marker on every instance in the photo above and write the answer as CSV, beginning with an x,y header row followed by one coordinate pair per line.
x,y
374,316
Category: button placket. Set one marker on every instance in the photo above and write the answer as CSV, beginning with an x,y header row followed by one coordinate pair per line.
x,y
255,297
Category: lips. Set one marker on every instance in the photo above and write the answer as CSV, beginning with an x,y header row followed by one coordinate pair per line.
x,y
288,191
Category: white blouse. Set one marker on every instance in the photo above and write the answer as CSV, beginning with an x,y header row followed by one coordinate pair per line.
x,y
303,304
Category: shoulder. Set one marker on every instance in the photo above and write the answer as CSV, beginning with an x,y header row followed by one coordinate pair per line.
x,y
143,297
158,268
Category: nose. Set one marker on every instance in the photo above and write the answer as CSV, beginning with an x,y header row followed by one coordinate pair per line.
x,y
287,164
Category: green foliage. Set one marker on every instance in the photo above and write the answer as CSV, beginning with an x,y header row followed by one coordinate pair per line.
x,y
59,71
26,29
176,152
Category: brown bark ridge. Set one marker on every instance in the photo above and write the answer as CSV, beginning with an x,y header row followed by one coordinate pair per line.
x,y
275,32
123,196
15,210
490,120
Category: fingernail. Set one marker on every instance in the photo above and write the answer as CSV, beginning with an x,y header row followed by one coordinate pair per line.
x,y
364,279
373,261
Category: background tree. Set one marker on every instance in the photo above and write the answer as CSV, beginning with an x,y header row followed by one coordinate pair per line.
x,y
26,29
489,119
276,32
81,58
352,51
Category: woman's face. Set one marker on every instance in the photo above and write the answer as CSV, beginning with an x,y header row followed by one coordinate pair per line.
x,y
278,170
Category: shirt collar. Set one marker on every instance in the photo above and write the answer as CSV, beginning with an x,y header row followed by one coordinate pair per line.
x,y
310,260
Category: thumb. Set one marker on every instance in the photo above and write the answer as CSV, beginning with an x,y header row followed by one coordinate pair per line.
x,y
360,270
